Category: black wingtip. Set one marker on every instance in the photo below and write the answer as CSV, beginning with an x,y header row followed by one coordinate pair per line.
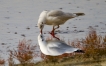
x,y
80,51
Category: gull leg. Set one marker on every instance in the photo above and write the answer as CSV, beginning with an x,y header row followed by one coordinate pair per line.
x,y
56,27
55,37
52,32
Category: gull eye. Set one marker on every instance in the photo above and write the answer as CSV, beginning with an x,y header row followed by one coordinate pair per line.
x,y
41,36
42,22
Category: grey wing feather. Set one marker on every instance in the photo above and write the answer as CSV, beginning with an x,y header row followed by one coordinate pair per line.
x,y
58,44
57,47
60,15
55,13
61,46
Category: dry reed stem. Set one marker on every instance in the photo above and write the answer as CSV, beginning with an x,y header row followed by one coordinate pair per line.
x,y
24,53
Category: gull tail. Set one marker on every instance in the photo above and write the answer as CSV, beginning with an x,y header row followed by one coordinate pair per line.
x,y
79,14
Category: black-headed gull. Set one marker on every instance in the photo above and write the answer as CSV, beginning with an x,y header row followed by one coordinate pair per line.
x,y
55,18
54,47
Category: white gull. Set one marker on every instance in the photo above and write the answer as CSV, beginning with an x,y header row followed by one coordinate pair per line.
x,y
55,18
54,47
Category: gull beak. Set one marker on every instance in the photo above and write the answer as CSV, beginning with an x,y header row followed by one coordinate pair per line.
x,y
41,31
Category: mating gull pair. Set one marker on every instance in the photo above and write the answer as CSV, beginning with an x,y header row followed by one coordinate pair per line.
x,y
55,47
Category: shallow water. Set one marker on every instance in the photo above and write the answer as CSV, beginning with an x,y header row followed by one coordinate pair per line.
x,y
18,15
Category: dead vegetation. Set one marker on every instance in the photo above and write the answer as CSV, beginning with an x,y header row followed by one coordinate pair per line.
x,y
24,53
2,61
93,44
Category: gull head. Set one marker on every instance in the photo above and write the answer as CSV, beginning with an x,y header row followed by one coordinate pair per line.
x,y
42,20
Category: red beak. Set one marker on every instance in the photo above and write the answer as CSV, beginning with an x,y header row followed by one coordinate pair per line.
x,y
41,31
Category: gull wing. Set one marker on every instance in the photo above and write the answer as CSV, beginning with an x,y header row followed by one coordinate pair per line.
x,y
59,15
60,47
55,13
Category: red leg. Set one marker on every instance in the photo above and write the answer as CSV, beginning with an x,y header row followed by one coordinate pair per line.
x,y
41,31
52,32
54,36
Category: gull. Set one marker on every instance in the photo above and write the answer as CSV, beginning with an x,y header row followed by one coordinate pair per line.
x,y
54,47
55,18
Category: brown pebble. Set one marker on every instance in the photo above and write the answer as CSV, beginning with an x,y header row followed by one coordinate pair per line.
x,y
28,28
44,33
60,8
23,35
15,33
67,27
2,43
